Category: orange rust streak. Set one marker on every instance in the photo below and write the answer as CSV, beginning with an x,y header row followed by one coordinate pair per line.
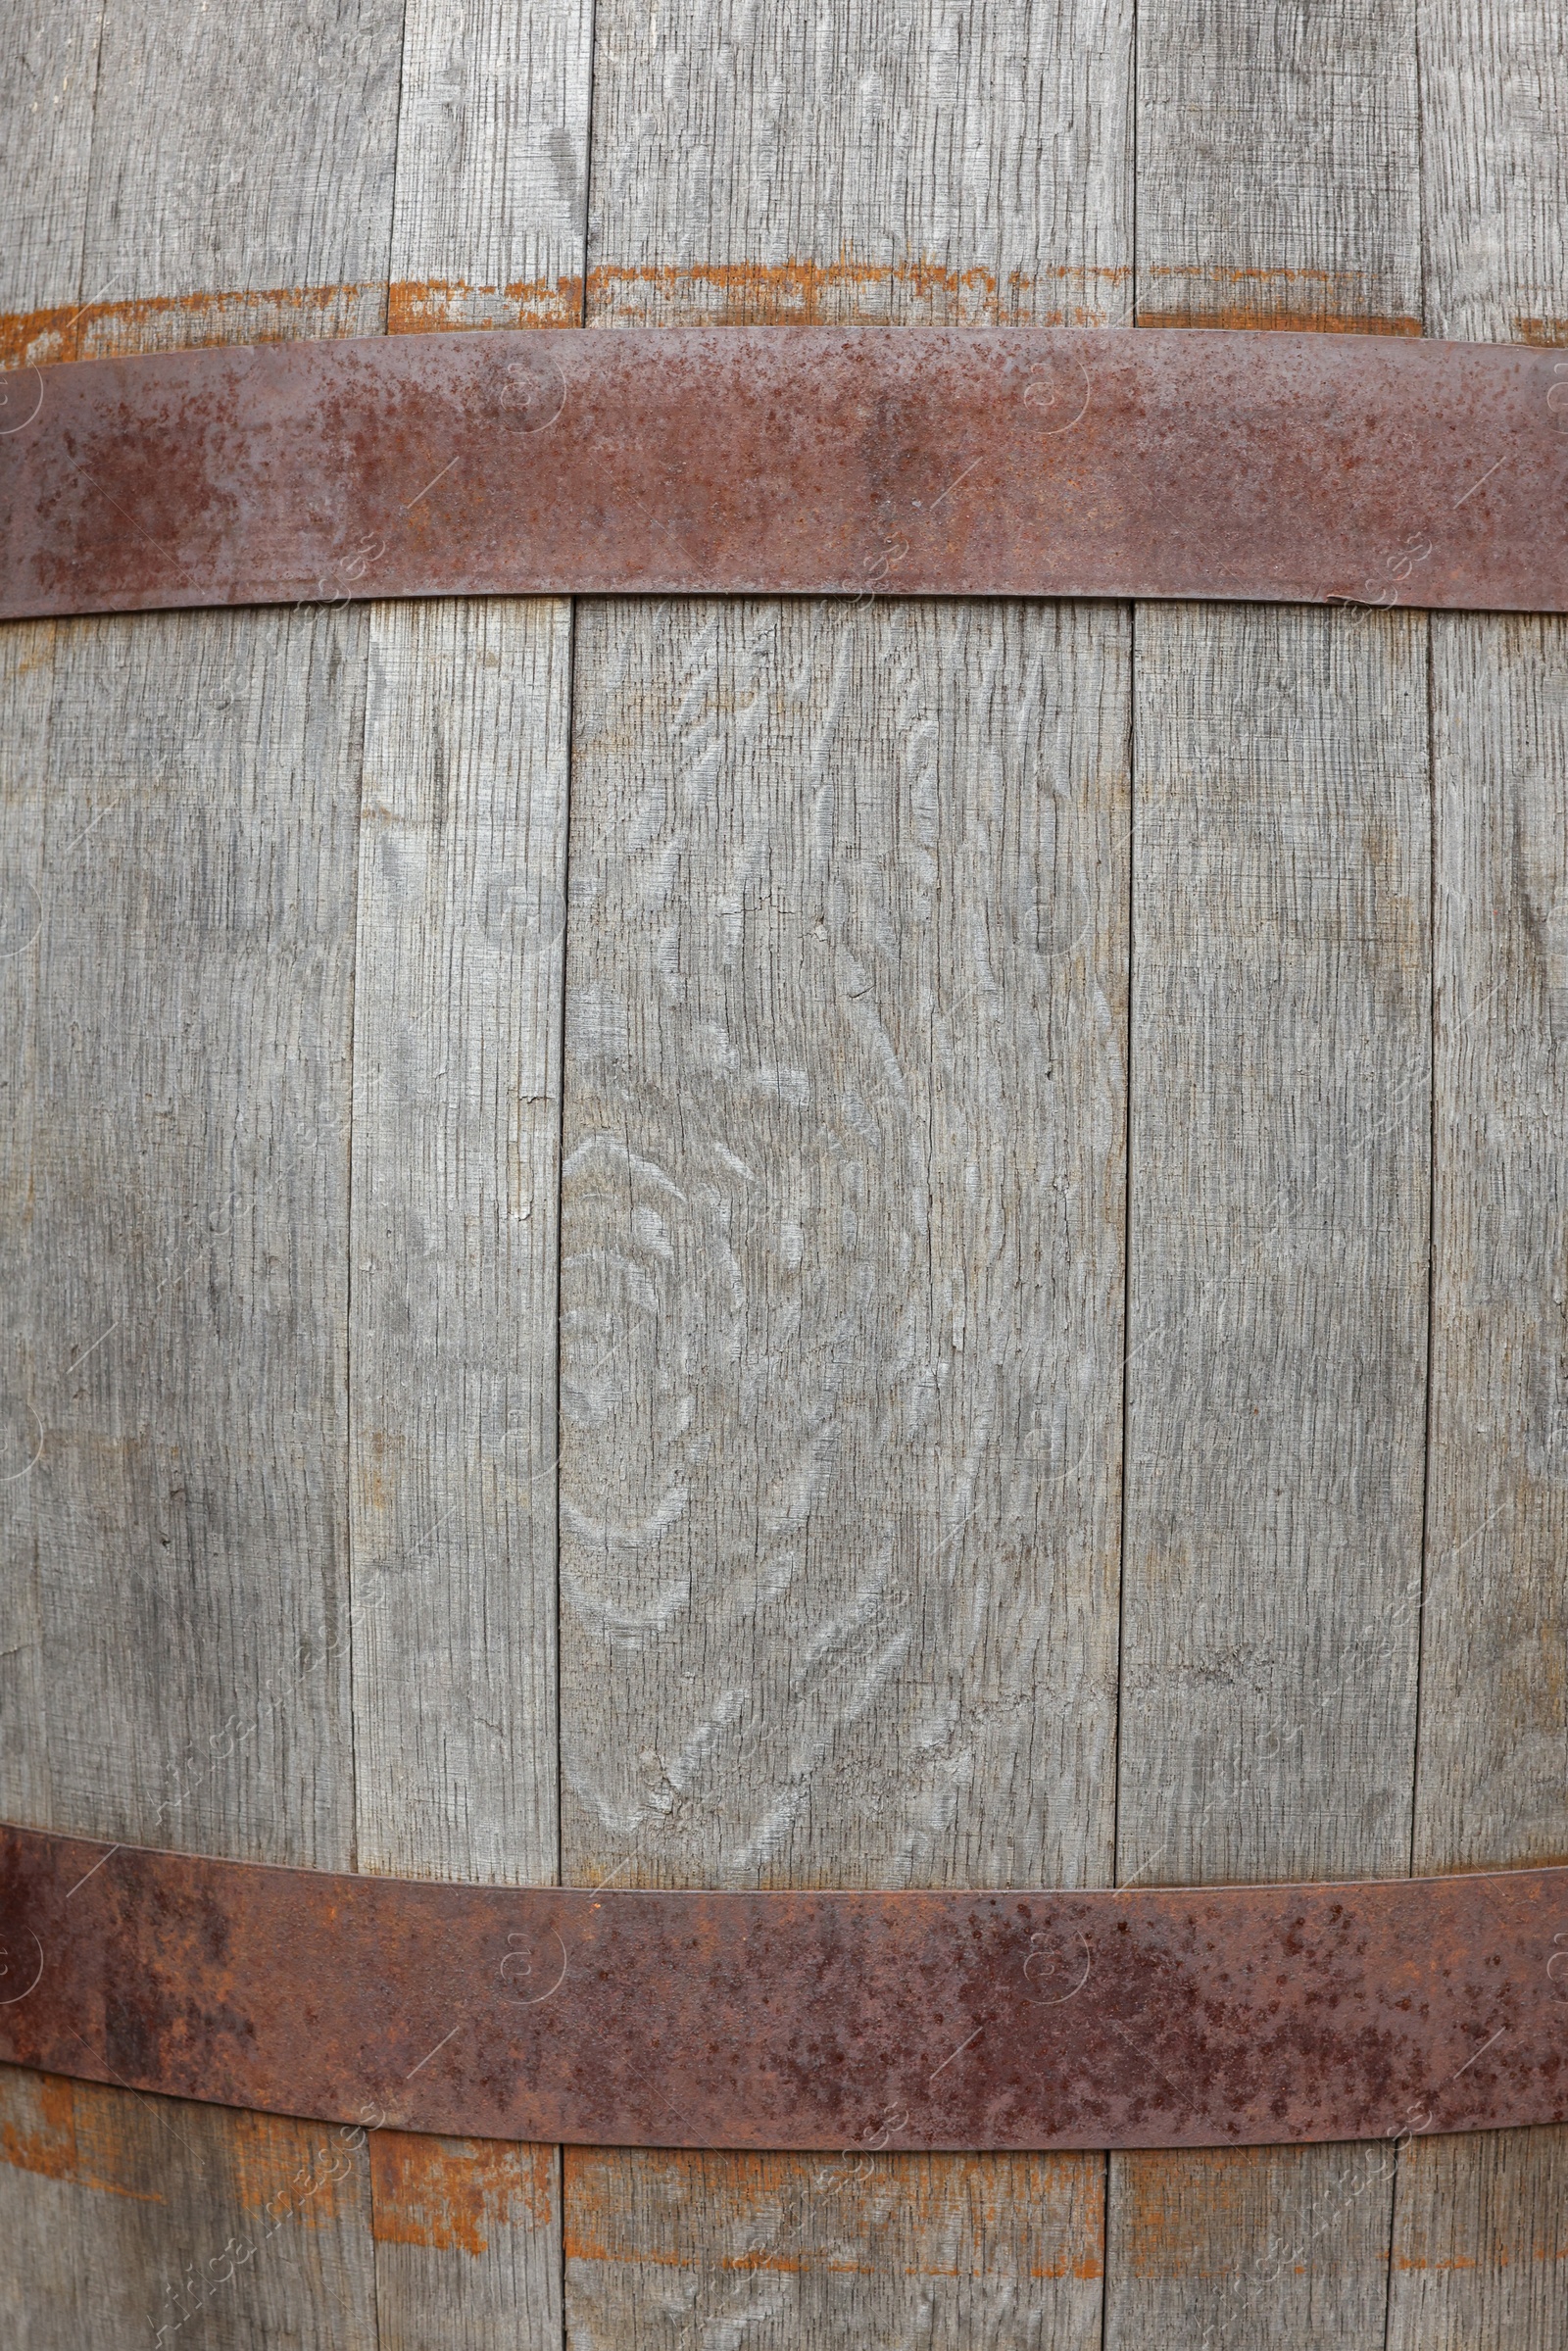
x,y
1302,322
720,293
454,2195
1546,333
38,2132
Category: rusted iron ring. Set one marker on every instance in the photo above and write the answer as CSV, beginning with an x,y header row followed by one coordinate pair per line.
x,y
1163,2017
860,462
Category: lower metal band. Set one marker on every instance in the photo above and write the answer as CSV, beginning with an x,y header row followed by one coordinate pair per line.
x,y
1161,2017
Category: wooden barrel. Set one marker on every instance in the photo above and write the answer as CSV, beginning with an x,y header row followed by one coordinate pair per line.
x,y
743,1242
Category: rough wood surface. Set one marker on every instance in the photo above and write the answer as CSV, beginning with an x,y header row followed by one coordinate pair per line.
x,y
180,1235
1481,2254
842,1261
160,2221
1278,165
492,185
452,1354
244,147
46,96
462,920
452,1337
188,787
931,164
768,2251
1279,1169
1276,1365
829,1351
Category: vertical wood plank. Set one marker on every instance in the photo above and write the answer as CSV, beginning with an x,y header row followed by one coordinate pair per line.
x,y
1481,2254
457,999
492,165
1279,1170
841,1293
47,80
190,799
241,151
182,1229
931,164
452,1332
841,1261
136,2220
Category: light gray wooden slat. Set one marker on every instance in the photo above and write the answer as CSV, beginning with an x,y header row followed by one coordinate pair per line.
x,y
1278,185
803,1671
47,78
947,161
1276,1360
1481,2248
182,1229
452,1334
461,915
161,2222
243,150
1278,168
492,165
842,1279
186,1237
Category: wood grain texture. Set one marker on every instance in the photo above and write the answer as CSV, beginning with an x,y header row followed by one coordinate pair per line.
x,y
933,164
1278,185
1278,165
457,1019
458,1005
47,79
1276,1362
181,1232
136,2220
492,184
841,1274
1479,2245
468,2243
245,147
1495,168
842,1254
187,790
776,2252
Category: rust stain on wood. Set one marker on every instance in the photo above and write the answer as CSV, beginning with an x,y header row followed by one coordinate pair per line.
x,y
454,2195
849,2212
65,2130
789,293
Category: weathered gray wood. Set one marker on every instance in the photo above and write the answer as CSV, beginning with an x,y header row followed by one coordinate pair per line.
x,y
452,1334
191,802
461,916
157,2220
492,185
841,1270
1480,2253
947,161
1276,1366
457,1019
841,1259
181,1232
1276,1316
47,78
468,2243
243,151
763,2249
1278,165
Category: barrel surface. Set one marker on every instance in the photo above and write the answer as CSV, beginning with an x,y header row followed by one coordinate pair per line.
x,y
758,1244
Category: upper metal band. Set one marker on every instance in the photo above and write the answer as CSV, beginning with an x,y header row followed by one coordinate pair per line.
x,y
851,462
